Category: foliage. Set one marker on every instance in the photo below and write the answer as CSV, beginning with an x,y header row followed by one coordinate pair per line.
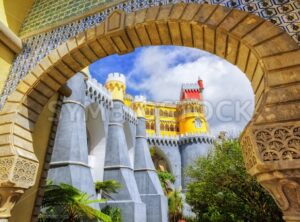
x,y
107,187
164,178
175,203
64,202
114,213
152,151
221,190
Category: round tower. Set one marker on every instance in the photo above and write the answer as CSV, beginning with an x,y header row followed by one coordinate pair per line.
x,y
191,118
195,140
190,110
139,105
116,85
128,100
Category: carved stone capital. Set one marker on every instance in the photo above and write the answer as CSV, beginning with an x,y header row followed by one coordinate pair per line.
x,y
284,186
16,175
8,198
18,171
271,147
272,155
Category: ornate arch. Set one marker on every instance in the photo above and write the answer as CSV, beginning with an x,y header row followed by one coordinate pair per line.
x,y
265,53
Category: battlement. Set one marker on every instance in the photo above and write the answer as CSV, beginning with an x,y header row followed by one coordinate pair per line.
x,y
128,97
115,76
96,92
140,98
190,86
180,140
129,115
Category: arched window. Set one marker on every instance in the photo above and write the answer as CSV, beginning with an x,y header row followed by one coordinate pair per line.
x,y
152,125
167,127
166,113
147,111
162,127
172,128
161,113
147,125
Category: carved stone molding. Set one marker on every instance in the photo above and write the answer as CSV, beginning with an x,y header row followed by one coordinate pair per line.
x,y
278,143
284,187
8,197
271,147
18,171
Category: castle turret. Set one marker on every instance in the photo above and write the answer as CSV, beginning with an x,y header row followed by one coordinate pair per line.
x,y
128,99
139,106
145,174
191,117
117,164
192,125
116,85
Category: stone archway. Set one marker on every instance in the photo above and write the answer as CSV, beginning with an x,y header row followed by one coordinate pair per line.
x,y
265,53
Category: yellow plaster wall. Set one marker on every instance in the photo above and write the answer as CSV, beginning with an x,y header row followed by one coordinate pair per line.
x,y
23,209
13,13
6,59
117,89
187,123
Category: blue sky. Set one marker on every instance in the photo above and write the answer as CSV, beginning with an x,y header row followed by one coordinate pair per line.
x,y
158,72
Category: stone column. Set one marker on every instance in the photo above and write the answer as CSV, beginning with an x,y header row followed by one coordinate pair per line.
x,y
69,162
117,167
271,154
146,177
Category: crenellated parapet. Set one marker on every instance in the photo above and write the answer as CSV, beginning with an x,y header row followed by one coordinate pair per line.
x,y
96,92
139,106
163,140
180,140
129,115
116,85
195,138
128,100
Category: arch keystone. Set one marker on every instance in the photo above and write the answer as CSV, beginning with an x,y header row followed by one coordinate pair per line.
x,y
115,22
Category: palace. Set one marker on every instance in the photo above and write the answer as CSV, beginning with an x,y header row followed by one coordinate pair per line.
x,y
104,133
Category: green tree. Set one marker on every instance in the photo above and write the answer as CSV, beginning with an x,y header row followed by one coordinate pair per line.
x,y
175,203
107,187
64,202
164,178
221,190
113,212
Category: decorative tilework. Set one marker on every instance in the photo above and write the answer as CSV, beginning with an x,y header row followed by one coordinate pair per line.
x,y
284,13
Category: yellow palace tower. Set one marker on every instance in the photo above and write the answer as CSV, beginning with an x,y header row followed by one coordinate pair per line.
x,y
191,117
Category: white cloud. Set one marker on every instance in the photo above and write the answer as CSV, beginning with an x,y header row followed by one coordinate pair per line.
x,y
160,71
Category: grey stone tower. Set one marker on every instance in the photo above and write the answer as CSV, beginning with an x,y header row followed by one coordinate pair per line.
x,y
117,167
69,162
192,148
146,177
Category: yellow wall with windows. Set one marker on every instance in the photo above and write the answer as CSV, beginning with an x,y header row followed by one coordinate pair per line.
x,y
171,123
23,209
